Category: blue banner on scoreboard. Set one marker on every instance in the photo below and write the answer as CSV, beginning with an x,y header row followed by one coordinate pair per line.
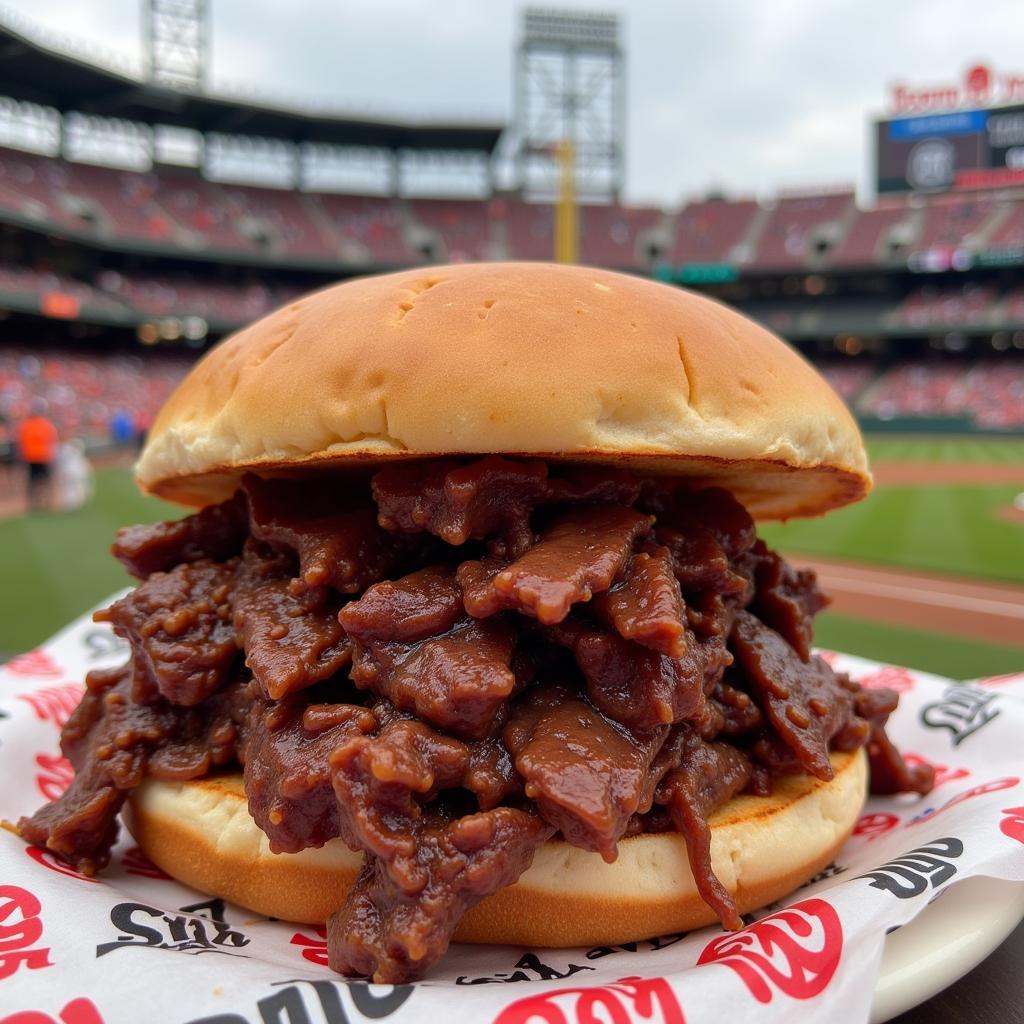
x,y
962,122
959,149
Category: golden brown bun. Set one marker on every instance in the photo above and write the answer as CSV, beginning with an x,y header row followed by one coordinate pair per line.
x,y
762,848
521,358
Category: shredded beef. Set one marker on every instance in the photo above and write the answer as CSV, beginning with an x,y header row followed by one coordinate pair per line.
x,y
585,773
394,933
647,605
448,664
334,533
458,680
786,600
578,555
889,772
215,533
179,626
641,688
803,700
290,634
707,775
113,742
288,773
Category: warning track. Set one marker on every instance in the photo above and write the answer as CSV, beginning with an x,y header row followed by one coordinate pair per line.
x,y
940,604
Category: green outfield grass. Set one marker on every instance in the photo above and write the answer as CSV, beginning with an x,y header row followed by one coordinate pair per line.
x,y
944,655
907,448
936,528
55,566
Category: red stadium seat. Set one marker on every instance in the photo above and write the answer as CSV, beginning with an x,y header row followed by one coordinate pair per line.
x,y
711,231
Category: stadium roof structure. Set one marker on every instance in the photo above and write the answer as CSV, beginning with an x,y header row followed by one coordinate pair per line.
x,y
37,74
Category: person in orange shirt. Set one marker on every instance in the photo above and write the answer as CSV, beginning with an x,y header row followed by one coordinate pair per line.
x,y
37,447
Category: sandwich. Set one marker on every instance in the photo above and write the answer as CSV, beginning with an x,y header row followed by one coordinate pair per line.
x,y
471,634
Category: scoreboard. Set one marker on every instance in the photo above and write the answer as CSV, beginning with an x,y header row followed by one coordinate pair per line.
x,y
962,149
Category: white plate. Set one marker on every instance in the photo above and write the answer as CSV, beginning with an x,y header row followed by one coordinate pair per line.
x,y
953,935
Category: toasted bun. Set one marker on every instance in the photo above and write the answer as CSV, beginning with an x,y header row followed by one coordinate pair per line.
x,y
520,358
762,849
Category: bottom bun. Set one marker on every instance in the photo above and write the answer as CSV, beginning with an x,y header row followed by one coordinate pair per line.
x,y
762,849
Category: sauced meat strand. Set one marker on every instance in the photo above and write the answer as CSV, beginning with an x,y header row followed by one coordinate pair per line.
x,y
179,626
488,499
581,553
728,712
717,512
329,526
643,689
112,743
786,599
647,605
471,588
384,777
393,934
290,634
889,772
287,773
426,863
800,699
419,605
587,776
459,680
707,776
215,533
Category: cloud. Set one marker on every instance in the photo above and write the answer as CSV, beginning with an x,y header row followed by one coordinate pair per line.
x,y
740,94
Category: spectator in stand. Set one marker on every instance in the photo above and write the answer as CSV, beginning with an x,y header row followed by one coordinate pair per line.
x,y
143,421
74,477
8,460
37,448
122,429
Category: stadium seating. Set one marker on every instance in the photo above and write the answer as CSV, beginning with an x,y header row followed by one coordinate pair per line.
x,y
223,304
609,235
801,228
971,305
201,209
370,229
32,187
949,221
1009,234
847,379
180,212
990,393
865,242
282,221
84,392
461,225
711,231
529,228
57,294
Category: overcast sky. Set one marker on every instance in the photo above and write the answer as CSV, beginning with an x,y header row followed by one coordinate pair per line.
x,y
743,96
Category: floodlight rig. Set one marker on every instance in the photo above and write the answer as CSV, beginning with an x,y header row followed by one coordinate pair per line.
x,y
175,42
570,87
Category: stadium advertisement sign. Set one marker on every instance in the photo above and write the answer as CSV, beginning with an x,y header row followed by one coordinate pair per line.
x,y
958,149
697,273
980,87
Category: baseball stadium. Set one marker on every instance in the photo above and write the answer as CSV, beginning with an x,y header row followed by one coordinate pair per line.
x,y
121,263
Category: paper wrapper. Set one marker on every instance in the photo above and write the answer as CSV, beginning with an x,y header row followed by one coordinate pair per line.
x,y
133,945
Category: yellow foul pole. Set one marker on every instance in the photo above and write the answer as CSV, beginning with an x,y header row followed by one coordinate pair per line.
x,y
566,229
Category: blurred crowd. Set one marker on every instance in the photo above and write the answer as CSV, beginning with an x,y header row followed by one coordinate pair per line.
x,y
59,410
988,393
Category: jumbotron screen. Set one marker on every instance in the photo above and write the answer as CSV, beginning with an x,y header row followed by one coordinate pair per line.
x,y
960,149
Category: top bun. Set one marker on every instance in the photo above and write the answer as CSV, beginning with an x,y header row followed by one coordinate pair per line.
x,y
537,359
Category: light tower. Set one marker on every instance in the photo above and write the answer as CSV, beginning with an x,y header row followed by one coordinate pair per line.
x,y
175,38
570,88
